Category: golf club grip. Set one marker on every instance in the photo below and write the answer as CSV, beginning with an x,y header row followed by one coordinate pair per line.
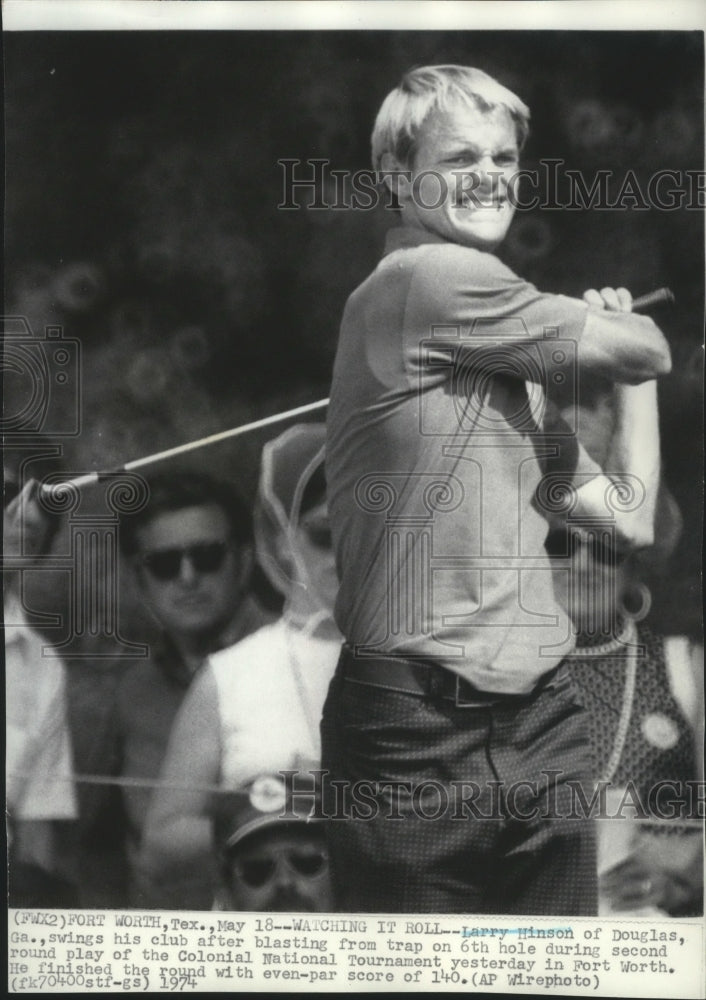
x,y
660,297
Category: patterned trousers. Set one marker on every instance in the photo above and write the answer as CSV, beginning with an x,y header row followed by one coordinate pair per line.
x,y
444,809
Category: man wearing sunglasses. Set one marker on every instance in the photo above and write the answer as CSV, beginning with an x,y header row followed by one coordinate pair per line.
x,y
190,553
273,851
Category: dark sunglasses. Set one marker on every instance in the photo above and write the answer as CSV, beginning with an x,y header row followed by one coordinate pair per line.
x,y
257,872
205,557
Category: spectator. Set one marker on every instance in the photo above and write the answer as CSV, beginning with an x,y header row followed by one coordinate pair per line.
x,y
190,550
257,705
644,696
272,850
642,691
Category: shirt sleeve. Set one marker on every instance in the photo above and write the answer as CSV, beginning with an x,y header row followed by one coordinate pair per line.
x,y
468,301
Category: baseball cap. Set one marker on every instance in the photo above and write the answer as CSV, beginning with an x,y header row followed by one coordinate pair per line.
x,y
265,802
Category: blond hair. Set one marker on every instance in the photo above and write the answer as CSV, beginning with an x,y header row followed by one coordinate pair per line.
x,y
432,88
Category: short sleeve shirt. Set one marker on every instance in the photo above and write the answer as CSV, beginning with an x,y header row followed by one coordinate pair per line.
x,y
442,458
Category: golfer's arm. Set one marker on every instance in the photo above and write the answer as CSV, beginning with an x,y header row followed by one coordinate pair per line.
x,y
623,347
626,492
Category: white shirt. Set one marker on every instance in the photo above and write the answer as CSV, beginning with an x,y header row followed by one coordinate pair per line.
x,y
271,690
38,761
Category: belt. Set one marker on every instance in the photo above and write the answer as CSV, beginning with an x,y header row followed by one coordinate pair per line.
x,y
419,678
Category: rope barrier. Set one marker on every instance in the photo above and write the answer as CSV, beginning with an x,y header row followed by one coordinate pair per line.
x,y
127,781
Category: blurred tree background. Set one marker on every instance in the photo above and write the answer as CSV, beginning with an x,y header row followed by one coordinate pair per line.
x,y
142,216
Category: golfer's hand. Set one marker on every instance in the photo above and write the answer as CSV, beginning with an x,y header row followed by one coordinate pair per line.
x,y
613,299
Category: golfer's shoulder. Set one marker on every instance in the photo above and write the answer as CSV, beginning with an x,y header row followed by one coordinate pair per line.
x,y
438,266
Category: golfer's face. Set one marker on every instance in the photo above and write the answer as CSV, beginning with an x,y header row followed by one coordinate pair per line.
x,y
462,167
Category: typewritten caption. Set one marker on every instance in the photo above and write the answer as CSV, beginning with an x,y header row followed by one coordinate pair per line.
x,y
121,952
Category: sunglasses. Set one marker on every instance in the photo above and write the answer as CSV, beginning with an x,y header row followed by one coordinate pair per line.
x,y
257,872
205,557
